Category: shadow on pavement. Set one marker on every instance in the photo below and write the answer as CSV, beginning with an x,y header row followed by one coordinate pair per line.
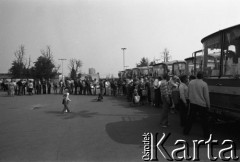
x,y
71,115
131,129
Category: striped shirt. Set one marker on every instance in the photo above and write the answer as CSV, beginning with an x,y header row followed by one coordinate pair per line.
x,y
164,88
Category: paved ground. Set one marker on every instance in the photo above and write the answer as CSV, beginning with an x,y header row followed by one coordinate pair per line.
x,y
33,129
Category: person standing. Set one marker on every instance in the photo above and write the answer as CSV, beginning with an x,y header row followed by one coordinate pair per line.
x,y
44,86
19,84
30,87
157,98
49,86
199,103
184,101
11,88
165,96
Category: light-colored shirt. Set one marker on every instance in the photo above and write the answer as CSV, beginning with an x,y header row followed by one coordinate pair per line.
x,y
66,96
198,93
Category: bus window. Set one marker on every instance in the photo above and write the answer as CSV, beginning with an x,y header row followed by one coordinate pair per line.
x,y
179,68
212,53
231,62
169,69
159,70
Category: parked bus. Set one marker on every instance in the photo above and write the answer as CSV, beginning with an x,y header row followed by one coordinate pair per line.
x,y
194,63
128,74
159,69
176,67
221,66
144,71
121,74
179,67
135,72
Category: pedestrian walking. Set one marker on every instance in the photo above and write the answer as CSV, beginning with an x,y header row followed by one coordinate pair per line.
x,y
199,103
66,101
166,100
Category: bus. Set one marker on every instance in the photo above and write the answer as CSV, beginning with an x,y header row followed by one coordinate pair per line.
x,y
120,74
144,71
179,67
221,67
159,69
128,74
194,63
176,67
135,72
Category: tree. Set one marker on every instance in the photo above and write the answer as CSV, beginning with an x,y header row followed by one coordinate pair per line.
x,y
44,66
18,69
143,62
74,66
165,55
151,63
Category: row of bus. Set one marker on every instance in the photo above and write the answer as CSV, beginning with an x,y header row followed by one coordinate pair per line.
x,y
219,60
177,67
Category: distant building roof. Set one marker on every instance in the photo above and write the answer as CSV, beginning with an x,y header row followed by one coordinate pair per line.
x,y
5,76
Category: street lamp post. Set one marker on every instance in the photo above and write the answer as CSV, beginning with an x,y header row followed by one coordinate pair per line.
x,y
62,66
123,57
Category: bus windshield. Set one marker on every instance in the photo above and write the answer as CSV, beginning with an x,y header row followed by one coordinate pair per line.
x,y
212,53
227,52
231,62
159,70
179,68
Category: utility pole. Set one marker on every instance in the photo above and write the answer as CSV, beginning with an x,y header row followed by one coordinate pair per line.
x,y
62,66
123,57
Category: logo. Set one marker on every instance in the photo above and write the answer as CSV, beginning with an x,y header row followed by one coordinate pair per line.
x,y
152,147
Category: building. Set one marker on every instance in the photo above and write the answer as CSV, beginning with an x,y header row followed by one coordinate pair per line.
x,y
92,71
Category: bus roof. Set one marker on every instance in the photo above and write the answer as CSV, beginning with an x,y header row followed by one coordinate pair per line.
x,y
218,32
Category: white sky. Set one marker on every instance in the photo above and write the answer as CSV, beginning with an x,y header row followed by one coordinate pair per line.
x,y
96,30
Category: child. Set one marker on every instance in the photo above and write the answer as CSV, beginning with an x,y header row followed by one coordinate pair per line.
x,y
65,101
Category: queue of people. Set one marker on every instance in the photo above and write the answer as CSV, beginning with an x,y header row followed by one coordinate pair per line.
x,y
186,95
108,87
26,87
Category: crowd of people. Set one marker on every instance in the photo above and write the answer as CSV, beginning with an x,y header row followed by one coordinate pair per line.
x,y
187,95
77,87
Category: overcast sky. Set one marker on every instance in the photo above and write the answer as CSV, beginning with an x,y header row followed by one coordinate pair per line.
x,y
96,30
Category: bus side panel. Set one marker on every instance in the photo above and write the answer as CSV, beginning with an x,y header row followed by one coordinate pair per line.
x,y
225,95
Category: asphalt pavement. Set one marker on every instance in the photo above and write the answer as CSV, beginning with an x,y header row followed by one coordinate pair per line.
x,y
32,128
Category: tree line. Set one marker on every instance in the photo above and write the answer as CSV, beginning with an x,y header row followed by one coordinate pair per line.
x,y
43,68
165,57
